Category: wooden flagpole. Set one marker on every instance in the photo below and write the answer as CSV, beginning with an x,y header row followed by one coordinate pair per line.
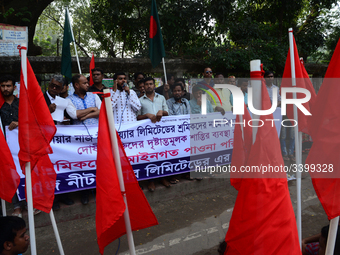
x,y
116,156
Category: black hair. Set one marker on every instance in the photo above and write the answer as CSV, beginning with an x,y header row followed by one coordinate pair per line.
x,y
98,69
135,76
140,82
175,85
117,74
222,247
7,78
206,68
168,77
9,226
217,74
149,79
180,80
196,88
268,73
240,81
75,78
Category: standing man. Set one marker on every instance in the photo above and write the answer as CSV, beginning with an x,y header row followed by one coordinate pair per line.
x,y
98,86
137,77
196,102
84,100
269,77
224,95
177,104
154,105
140,88
207,81
9,117
125,103
165,89
10,108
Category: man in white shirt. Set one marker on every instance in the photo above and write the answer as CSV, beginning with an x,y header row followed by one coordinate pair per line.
x,y
125,102
269,77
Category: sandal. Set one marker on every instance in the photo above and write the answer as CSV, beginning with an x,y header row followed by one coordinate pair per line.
x,y
173,180
17,215
285,158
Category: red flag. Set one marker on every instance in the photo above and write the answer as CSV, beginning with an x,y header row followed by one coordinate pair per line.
x,y
92,65
36,130
324,156
302,81
110,205
263,220
2,100
9,178
241,150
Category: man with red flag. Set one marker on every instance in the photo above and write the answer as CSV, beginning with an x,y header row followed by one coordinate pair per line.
x,y
263,220
110,222
36,130
324,128
9,178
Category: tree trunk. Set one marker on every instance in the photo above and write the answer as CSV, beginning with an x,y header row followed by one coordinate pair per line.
x,y
26,13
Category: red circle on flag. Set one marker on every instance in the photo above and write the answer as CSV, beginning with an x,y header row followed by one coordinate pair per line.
x,y
153,27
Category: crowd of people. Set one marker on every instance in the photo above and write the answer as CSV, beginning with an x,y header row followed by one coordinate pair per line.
x,y
143,101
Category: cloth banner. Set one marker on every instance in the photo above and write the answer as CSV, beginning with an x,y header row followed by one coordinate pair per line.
x,y
154,150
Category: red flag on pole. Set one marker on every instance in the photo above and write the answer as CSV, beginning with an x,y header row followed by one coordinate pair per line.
x,y
242,145
324,156
36,130
110,205
92,65
9,178
302,81
263,220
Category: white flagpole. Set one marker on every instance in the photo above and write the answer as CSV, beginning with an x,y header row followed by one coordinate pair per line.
x,y
256,86
74,41
165,77
3,202
116,156
298,135
56,233
332,234
29,197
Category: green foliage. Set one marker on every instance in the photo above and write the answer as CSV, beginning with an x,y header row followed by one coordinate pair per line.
x,y
48,48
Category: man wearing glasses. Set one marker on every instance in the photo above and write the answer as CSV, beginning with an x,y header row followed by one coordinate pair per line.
x,y
207,81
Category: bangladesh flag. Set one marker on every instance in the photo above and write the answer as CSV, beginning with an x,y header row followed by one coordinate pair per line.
x,y
66,60
156,49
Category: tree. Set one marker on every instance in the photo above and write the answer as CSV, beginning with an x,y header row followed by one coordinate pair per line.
x,y
24,13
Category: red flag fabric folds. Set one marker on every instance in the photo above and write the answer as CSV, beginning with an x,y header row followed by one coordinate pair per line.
x,y
302,81
36,130
110,223
263,220
92,65
324,125
9,178
241,150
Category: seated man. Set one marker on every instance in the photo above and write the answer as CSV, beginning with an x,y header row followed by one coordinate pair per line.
x,y
153,104
196,102
13,237
86,101
177,104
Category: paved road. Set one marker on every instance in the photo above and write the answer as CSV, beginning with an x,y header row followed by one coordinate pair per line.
x,y
191,224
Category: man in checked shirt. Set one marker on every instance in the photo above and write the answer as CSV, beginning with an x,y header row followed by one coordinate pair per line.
x,y
125,102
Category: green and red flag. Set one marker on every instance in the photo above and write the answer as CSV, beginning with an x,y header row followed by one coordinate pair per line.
x,y
66,60
156,48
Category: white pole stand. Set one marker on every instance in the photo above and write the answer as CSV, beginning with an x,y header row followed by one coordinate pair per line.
x,y
3,207
256,87
116,157
298,142
332,235
56,233
29,200
164,69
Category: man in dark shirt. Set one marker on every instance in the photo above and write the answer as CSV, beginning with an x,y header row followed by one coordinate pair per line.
x,y
97,76
9,110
